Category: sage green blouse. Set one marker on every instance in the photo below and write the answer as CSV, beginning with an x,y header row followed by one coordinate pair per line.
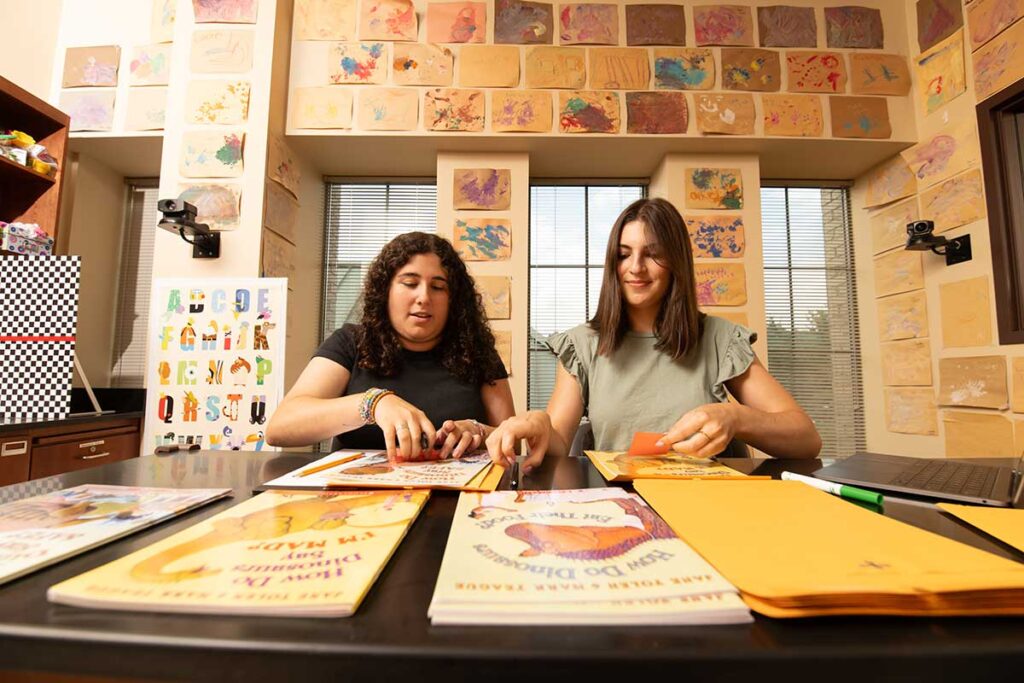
x,y
640,389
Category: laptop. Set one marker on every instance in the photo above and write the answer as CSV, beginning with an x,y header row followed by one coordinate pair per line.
x,y
955,480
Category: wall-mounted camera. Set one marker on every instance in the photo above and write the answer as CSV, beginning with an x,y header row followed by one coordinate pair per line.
x,y
179,216
921,237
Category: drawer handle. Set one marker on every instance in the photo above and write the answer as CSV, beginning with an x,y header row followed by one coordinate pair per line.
x,y
93,457
91,443
14,448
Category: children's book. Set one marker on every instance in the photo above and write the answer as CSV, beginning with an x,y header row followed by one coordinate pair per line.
x,y
587,556
621,466
39,531
280,553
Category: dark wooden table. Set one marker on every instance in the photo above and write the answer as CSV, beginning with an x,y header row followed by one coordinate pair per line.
x,y
390,638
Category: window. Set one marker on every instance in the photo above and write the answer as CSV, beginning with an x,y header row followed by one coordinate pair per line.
x,y
569,227
810,308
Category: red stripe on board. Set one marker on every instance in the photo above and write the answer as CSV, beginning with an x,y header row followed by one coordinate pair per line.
x,y
36,338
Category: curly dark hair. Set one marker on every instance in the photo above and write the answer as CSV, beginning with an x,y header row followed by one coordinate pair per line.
x,y
466,347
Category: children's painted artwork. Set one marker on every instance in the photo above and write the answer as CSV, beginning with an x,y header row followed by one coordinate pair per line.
x,y
890,180
966,312
456,22
321,107
225,11
421,64
89,110
281,166
723,25
518,22
588,111
725,114
907,363
940,73
277,256
816,71
911,410
655,25
751,69
714,188
879,74
221,51
937,20
147,109
684,69
856,27
793,115
588,24
716,236
619,68
988,19
521,111
162,21
281,211
556,67
945,154
217,204
656,113
217,101
496,293
785,26
216,367
207,154
860,117
977,435
904,316
487,189
483,239
357,63
91,66
489,66
388,109
150,65
388,20
503,345
721,284
897,272
955,202
974,382
454,109
326,20
1000,63
889,226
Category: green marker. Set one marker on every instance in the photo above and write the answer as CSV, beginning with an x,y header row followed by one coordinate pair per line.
x,y
851,492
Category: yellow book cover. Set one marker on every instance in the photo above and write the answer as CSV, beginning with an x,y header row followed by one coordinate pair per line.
x,y
280,553
1005,524
620,466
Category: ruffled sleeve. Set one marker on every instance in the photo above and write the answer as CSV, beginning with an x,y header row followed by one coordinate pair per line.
x,y
735,354
564,346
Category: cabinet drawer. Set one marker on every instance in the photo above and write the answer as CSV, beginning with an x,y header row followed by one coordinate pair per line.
x,y
79,454
15,455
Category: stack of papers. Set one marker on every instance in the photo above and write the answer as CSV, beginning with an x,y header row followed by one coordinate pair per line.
x,y
794,551
621,466
586,557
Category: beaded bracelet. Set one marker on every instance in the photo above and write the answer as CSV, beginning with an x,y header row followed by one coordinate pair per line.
x,y
368,406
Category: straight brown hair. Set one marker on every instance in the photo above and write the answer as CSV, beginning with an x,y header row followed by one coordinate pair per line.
x,y
679,324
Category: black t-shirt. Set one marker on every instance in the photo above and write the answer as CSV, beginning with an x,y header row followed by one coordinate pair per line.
x,y
422,381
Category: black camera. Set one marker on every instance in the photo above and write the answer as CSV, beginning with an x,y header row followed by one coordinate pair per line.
x,y
920,228
179,216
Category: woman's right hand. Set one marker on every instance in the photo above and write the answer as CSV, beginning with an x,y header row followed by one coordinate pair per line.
x,y
404,426
534,426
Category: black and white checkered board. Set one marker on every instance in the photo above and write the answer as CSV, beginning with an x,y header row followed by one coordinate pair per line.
x,y
38,298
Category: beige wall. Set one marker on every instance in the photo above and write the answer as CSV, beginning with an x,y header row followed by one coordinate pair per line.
x,y
29,53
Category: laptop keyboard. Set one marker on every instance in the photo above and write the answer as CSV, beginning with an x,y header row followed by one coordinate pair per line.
x,y
948,477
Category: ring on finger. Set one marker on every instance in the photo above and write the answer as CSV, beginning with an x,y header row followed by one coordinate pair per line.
x,y
706,435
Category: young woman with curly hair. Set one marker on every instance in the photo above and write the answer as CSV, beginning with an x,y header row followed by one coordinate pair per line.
x,y
419,377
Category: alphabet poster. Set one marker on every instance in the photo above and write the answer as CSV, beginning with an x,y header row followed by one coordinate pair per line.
x,y
216,364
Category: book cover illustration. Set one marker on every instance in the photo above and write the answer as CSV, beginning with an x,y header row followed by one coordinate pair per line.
x,y
281,553
620,466
38,531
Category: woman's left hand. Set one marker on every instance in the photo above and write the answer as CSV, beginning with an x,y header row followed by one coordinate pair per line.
x,y
703,432
458,437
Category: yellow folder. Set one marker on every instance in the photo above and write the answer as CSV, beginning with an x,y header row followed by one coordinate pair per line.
x,y
1005,524
619,466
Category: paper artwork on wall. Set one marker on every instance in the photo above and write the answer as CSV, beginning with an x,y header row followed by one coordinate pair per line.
x,y
281,165
815,71
656,113
388,109
211,154
751,69
325,20
518,22
217,204
489,66
150,65
421,64
889,226
725,114
357,63
456,22
911,410
483,239
277,255
221,51
945,154
556,67
975,435
225,11
793,115
453,109
588,111
936,20
1017,370
721,284
655,25
904,316
988,19
723,25
496,293
684,69
897,272
1000,63
940,73
588,24
388,20
521,111
162,21
716,236
217,101
974,382
281,212
619,68
856,27
966,314
713,188
860,117
147,109
91,66
321,107
784,26
503,345
879,74
488,189
955,202
907,363
88,109
890,180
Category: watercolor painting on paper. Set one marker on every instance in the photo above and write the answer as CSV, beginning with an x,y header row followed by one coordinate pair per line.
x,y
150,65
357,63
714,188
879,74
162,21
860,117
725,114
496,292
1000,63
388,20
321,107
655,25
889,226
91,66
523,111
589,24
221,51
937,20
904,316
456,22
990,18
216,101
488,189
856,27
684,69
656,113
88,109
325,20
225,11
940,73
388,109
890,180
454,109
586,111
816,71
147,109
518,22
556,67
720,284
911,410
944,155
793,115
217,204
211,155
723,25
751,69
784,26
974,382
716,236
483,239
955,202
420,64
281,165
